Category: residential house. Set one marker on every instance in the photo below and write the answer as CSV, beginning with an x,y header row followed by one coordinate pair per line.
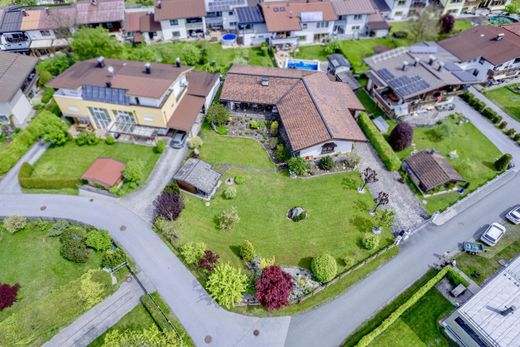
x,y
398,9
489,53
317,115
429,170
492,316
453,7
40,29
410,79
181,19
251,26
198,178
17,84
135,99
494,5
141,27
358,19
221,14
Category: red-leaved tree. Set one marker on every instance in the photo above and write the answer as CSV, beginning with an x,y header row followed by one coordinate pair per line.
x,y
208,261
8,294
273,288
168,205
401,136
446,24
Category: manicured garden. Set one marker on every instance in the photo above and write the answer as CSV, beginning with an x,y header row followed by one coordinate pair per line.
x,y
474,161
507,98
57,268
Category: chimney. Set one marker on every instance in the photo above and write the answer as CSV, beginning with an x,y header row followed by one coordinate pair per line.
x,y
24,12
101,62
47,11
148,68
405,65
265,81
432,59
500,37
159,5
440,66
178,62
93,2
416,61
508,310
108,84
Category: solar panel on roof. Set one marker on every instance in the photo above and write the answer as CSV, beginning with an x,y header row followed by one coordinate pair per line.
x,y
465,76
312,16
225,5
385,74
452,67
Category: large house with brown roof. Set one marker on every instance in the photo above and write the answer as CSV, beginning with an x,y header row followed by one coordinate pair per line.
x,y
487,52
141,27
181,19
136,99
317,115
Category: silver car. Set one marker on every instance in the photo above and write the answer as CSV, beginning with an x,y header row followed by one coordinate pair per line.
x,y
178,139
514,215
493,234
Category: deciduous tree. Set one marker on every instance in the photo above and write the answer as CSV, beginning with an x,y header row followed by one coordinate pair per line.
x,y
168,206
401,136
273,288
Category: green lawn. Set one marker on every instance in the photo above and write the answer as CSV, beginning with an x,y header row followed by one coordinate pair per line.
x,y
71,160
506,99
475,162
419,325
487,263
370,106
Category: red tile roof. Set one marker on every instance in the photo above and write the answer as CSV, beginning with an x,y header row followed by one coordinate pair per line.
x,y
177,9
141,22
105,171
286,16
104,11
186,113
352,7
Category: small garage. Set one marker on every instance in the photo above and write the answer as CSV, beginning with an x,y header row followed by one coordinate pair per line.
x,y
197,177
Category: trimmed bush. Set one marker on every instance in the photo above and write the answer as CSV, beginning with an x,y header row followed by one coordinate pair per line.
x,y
497,119
326,163
274,128
58,228
324,268
489,113
195,142
192,252
73,246
298,165
87,138
456,278
401,136
110,140
14,224
503,162
159,146
502,125
113,258
239,180
517,137
8,295
348,261
382,147
227,219
247,251
370,241
510,132
229,193
99,240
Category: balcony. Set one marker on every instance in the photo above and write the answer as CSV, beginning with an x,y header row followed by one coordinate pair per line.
x,y
284,40
14,42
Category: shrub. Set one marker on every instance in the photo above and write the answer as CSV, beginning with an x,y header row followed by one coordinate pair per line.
x,y
172,187
401,136
87,138
192,252
58,228
47,95
8,295
517,137
489,113
48,182
45,77
497,119
298,165
348,261
110,140
195,142
282,153
73,246
226,284
502,163
159,146
229,193
55,65
326,163
247,250
510,132
168,206
99,240
273,288
14,224
274,128
382,147
113,258
267,261
134,172
208,261
332,47
456,278
57,137
217,114
90,291
239,180
324,268
227,219
370,241
502,125
254,124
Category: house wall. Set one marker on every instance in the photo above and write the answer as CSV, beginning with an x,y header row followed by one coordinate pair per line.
x,y
187,187
353,26
229,20
212,94
256,36
399,10
453,7
456,332
306,36
168,30
342,146
19,106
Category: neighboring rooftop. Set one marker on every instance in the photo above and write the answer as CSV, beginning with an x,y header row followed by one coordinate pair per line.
x,y
249,15
488,308
178,9
105,171
496,45
352,7
377,22
142,22
14,70
198,174
224,5
381,5
338,60
288,16
313,109
431,169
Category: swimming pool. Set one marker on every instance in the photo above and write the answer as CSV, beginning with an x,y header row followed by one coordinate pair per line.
x,y
229,39
303,65
502,20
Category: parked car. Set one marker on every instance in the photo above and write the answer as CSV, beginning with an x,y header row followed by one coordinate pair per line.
x,y
493,234
179,139
514,215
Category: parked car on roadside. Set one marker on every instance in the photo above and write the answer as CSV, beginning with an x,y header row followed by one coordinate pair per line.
x,y
178,139
514,215
493,234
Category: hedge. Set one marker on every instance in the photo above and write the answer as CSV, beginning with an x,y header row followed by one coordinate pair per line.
x,y
382,147
367,339
154,312
28,182
456,278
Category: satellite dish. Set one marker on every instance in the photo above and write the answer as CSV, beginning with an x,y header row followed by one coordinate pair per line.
x,y
110,70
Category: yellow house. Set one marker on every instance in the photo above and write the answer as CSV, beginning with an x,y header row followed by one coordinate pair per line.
x,y
134,98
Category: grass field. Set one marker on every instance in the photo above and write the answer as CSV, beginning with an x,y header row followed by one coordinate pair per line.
x,y
419,325
475,162
506,99
71,160
337,216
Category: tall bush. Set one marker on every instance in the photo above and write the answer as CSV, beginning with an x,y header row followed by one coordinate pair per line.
x,y
168,205
401,136
14,224
8,295
247,250
298,165
273,288
502,163
226,284
324,267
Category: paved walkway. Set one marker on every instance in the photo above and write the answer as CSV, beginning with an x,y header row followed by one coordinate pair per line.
x,y
512,123
100,318
409,210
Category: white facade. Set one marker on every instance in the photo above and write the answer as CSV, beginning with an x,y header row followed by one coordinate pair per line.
x,y
179,29
453,7
314,32
19,107
352,26
254,34
480,68
342,146
399,9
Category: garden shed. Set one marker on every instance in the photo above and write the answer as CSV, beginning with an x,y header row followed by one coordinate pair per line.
x,y
105,172
197,177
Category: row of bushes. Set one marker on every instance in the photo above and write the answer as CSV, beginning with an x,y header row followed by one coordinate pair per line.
x,y
28,182
383,149
367,339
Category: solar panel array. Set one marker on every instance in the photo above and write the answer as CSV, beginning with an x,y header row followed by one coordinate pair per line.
x,y
102,94
403,86
225,5
248,15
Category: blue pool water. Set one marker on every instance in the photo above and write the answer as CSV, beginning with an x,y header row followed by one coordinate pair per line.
x,y
302,65
229,37
502,20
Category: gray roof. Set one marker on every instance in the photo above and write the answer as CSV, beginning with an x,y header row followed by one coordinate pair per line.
x,y
337,60
14,69
199,174
381,5
348,78
225,5
12,20
352,7
249,15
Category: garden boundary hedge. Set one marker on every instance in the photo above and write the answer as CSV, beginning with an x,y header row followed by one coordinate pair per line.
x,y
394,316
382,147
28,182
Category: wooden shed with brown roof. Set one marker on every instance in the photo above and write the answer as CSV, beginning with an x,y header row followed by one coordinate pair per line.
x,y
106,172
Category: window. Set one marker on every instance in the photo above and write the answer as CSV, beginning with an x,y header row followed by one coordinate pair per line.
x,y
322,24
174,22
328,148
355,28
100,116
357,17
304,25
398,13
460,322
231,13
4,118
232,24
45,32
124,117
481,61
176,33
453,11
475,72
148,118
401,3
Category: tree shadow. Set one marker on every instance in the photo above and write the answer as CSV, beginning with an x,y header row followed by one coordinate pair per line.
x,y
362,224
305,262
235,249
362,206
490,165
